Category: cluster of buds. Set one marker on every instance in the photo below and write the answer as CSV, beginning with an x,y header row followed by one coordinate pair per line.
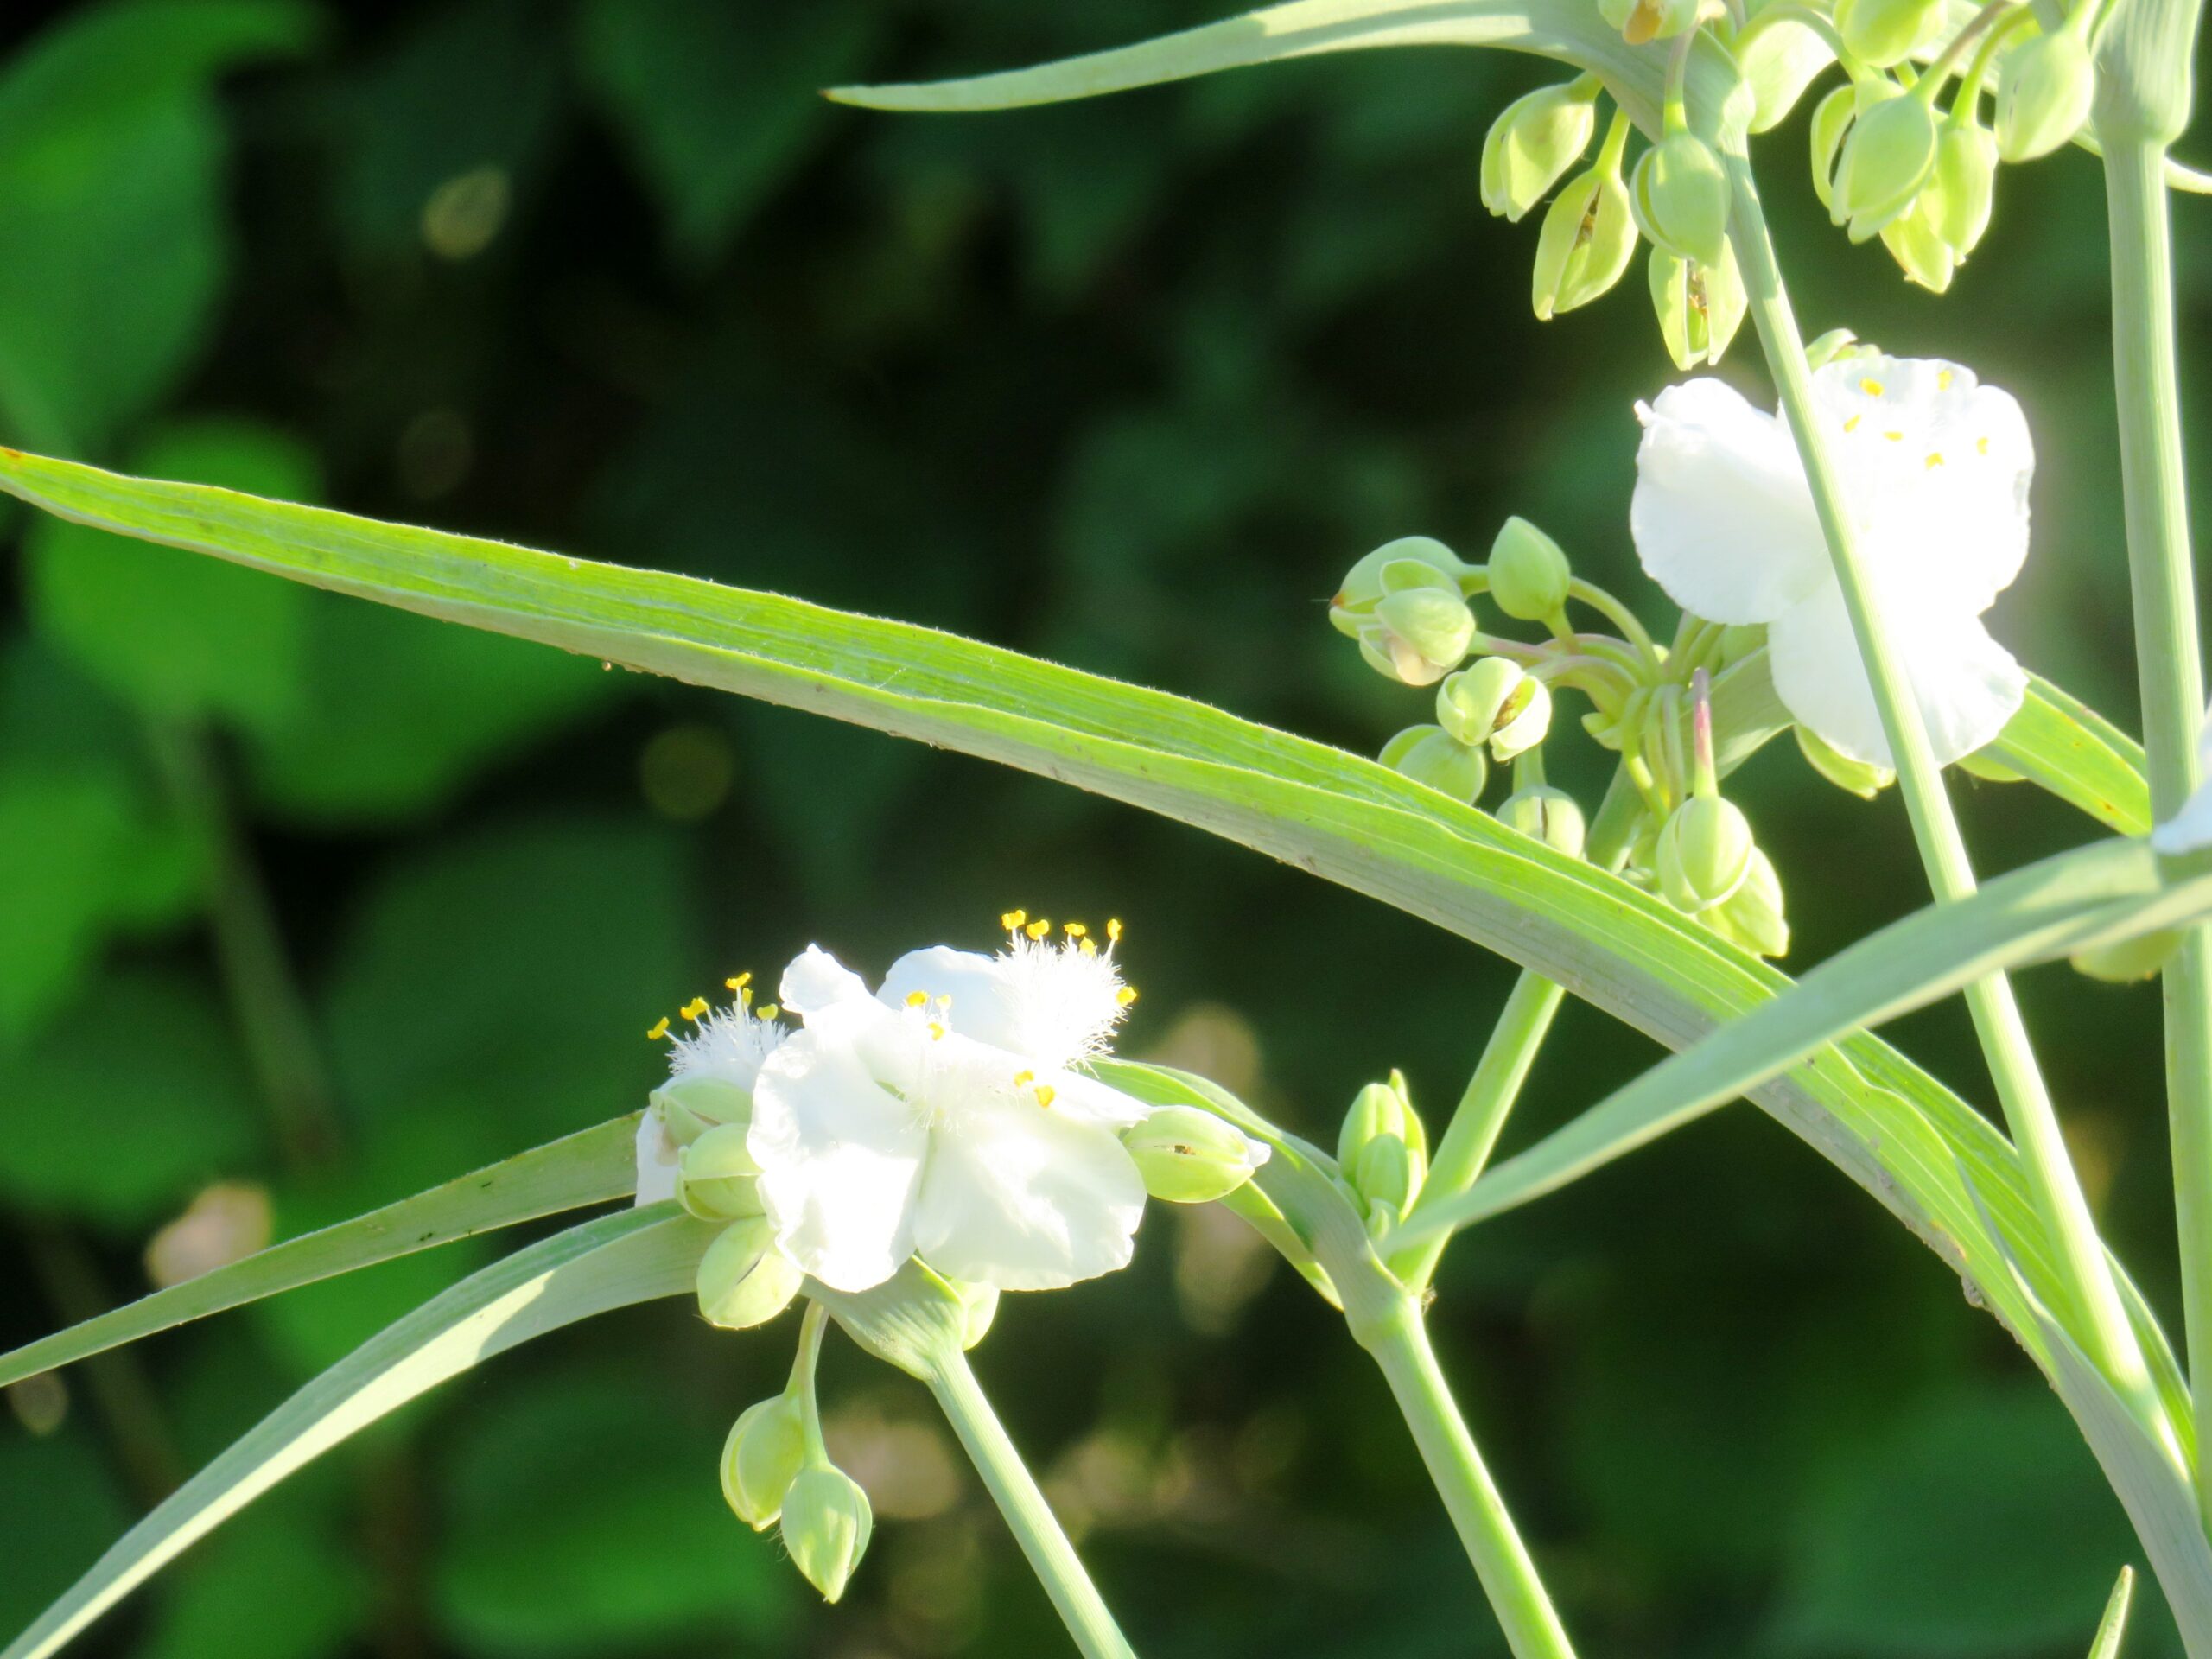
x,y
743,1279
1650,703
775,1468
1382,1151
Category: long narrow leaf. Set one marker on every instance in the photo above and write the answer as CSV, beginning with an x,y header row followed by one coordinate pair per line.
x,y
2112,1629
1884,1123
633,1256
591,1167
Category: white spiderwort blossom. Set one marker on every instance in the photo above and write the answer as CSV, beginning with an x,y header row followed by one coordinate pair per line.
x,y
1935,469
2190,828
723,1051
945,1116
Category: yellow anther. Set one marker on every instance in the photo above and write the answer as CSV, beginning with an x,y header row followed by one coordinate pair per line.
x,y
1894,437
1981,446
1047,1094
739,982
1126,995
693,1008
1935,459
1872,388
1089,947
1075,930
1023,1079
1037,929
936,1032
1943,379
745,995
767,1011
915,999
1851,425
1114,931
1012,919
659,1030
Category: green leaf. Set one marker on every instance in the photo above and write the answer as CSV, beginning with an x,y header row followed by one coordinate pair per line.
x,y
1892,1128
2029,915
2079,756
179,638
113,240
589,1167
633,1256
2112,1629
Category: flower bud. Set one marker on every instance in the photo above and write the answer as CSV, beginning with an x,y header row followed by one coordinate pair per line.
x,y
1680,198
1699,306
762,1456
1431,755
1545,814
1528,572
1417,635
2044,89
1918,246
827,1521
1189,1156
1382,1148
1883,32
1495,701
1860,778
689,1107
1523,722
2125,961
1533,143
1409,561
1889,155
1834,344
714,1180
744,1279
1704,853
1751,917
1966,179
1832,119
1587,237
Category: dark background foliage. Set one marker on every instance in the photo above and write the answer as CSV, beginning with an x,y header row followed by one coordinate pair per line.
x,y
304,906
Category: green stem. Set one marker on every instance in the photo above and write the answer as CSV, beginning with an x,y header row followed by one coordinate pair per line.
x,y
2086,1273
2168,655
1051,1556
1399,1345
802,1381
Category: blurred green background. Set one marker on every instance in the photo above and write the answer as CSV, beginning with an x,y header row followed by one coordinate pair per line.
x,y
308,905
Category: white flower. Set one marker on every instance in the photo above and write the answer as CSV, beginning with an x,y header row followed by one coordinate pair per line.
x,y
945,1117
2191,827
1935,470
723,1052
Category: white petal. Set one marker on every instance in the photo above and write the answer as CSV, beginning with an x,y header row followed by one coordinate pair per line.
x,y
1027,1199
1084,1099
1722,517
656,1159
1968,684
2188,829
982,1000
840,1158
816,980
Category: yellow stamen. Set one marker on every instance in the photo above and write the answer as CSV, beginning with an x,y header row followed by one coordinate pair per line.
x,y
659,1030
1894,437
936,1032
1943,380
1114,929
745,995
1981,446
1851,425
1935,459
1012,919
739,982
1126,995
767,1011
1045,1095
1872,388
693,1008
1037,929
915,999
1024,1078
1089,947
1075,930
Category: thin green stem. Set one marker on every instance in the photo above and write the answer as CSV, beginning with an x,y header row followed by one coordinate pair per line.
x,y
2168,662
1051,1556
1619,614
1400,1344
802,1380
2086,1271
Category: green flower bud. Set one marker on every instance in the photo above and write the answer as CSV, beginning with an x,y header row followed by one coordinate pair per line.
x,y
1409,561
2125,961
1587,237
1189,1156
1699,306
1918,246
744,1279
691,1106
1431,755
1533,143
1883,32
1860,778
827,1521
2043,88
1778,63
1889,155
1495,701
1417,635
1751,917
1704,854
1966,179
1836,343
1680,198
1545,814
1382,1149
1528,572
979,1306
762,1456
1523,722
1739,640
715,1179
